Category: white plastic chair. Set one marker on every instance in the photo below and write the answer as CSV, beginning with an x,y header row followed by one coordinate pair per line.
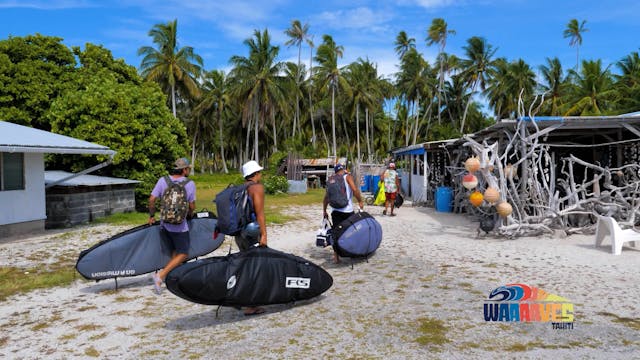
x,y
609,226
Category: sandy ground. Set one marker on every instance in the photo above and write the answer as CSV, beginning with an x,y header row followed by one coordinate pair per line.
x,y
430,266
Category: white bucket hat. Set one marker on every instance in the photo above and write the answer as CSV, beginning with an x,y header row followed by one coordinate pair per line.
x,y
250,168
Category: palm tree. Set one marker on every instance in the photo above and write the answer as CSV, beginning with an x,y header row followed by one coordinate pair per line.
x,y
297,34
574,32
309,41
257,81
629,82
214,100
169,64
507,83
329,76
437,34
412,84
404,43
553,84
479,53
591,90
362,76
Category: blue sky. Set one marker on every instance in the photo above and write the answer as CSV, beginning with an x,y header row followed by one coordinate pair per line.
x,y
531,30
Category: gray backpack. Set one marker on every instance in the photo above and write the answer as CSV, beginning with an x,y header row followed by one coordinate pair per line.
x,y
337,191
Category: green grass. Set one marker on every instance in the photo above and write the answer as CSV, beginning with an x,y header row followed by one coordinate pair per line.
x,y
14,280
432,332
207,186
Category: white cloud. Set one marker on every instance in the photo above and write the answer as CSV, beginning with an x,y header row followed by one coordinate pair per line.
x,y
359,18
48,5
430,4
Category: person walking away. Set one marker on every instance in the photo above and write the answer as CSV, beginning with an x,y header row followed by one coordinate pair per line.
x,y
177,196
256,231
340,213
391,180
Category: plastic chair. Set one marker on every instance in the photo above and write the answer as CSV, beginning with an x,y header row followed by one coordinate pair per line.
x,y
609,226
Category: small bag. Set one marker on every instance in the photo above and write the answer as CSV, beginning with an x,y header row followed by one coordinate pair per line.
x,y
323,237
398,201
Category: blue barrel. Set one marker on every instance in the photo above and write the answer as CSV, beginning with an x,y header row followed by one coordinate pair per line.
x,y
444,199
365,183
374,183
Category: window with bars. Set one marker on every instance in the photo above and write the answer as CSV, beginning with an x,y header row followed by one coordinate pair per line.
x,y
11,171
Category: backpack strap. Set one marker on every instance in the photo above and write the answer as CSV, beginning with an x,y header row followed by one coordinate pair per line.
x,y
168,180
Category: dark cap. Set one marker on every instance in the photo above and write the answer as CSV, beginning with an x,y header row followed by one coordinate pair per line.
x,y
338,167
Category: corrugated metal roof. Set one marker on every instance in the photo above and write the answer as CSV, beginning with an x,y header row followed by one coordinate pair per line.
x,y
321,161
52,176
18,138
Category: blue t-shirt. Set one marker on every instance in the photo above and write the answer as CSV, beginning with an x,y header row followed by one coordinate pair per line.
x,y
159,189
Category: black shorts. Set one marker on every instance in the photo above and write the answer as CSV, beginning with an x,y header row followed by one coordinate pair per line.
x,y
179,241
244,243
337,217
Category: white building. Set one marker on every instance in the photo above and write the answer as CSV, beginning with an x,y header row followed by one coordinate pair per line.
x,y
22,176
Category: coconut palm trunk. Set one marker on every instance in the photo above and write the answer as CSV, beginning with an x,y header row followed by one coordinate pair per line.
x,y
333,121
224,161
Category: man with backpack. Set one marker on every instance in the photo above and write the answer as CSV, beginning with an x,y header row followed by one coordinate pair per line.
x,y
340,189
177,196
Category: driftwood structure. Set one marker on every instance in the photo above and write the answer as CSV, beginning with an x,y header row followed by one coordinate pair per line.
x,y
557,173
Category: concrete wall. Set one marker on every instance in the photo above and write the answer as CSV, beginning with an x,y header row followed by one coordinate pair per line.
x,y
68,206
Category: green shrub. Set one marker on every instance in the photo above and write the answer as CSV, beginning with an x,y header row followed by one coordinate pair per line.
x,y
275,184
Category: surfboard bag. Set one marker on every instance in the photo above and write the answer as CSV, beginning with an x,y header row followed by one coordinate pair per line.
x,y
144,249
258,276
357,236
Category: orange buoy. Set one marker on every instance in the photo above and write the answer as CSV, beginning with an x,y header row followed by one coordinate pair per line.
x,y
472,164
504,209
469,181
476,198
492,195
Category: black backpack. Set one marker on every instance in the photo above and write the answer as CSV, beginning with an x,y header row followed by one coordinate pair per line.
x,y
174,205
234,208
337,191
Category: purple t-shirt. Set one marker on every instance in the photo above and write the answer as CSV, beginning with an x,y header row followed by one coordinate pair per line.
x,y
159,189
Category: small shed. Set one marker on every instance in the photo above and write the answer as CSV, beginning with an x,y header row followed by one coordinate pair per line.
x,y
422,168
84,198
316,171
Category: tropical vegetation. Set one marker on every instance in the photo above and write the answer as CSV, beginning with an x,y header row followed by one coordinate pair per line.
x,y
265,108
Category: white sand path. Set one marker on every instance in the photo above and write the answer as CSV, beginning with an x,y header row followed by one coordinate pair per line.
x,y
430,266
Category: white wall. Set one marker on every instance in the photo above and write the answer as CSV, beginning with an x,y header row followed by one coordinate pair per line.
x,y
28,204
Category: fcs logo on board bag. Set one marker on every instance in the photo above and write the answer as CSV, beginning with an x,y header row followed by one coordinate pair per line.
x,y
297,283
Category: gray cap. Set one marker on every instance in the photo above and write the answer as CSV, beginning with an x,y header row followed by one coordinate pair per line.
x,y
181,164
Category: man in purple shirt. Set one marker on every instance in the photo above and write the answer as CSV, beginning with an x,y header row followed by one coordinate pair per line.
x,y
178,234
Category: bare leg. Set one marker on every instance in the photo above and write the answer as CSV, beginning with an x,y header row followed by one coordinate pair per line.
x,y
176,260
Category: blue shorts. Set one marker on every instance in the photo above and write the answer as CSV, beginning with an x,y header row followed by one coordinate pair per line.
x,y
179,241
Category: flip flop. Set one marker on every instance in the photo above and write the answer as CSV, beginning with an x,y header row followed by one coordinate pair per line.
x,y
157,284
257,311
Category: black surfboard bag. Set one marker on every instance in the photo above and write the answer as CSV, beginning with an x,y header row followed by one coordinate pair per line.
x,y
144,249
258,276
357,236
